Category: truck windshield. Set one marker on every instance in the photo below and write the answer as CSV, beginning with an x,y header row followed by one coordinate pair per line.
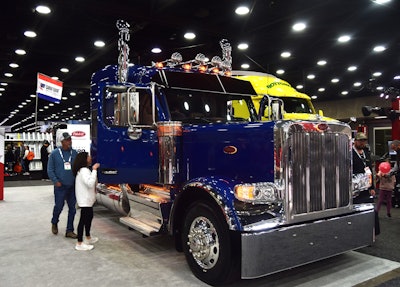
x,y
296,105
206,107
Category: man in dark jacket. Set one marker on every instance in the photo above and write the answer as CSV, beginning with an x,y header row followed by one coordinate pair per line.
x,y
362,163
59,170
44,158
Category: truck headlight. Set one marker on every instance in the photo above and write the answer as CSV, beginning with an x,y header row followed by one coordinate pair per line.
x,y
261,192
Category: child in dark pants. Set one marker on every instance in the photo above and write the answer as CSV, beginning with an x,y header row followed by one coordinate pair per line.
x,y
85,191
386,186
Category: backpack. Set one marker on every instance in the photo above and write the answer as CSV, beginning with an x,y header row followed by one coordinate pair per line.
x,y
30,155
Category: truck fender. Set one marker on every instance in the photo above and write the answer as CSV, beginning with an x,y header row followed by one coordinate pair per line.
x,y
217,191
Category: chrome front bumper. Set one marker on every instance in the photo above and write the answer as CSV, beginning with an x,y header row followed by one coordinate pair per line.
x,y
283,248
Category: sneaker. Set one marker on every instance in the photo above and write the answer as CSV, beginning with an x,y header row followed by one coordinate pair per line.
x,y
54,229
71,234
91,240
83,247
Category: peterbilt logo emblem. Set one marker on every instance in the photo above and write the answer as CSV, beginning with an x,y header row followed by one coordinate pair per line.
x,y
230,149
78,134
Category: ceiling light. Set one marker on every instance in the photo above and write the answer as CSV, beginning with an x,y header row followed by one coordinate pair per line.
x,y
285,54
73,94
379,49
33,96
321,63
64,70
357,84
55,78
156,50
310,76
3,84
344,93
14,65
280,71
380,2
344,38
335,80
2,89
245,66
321,90
243,46
396,77
242,10
300,26
314,97
189,35
8,75
30,34
99,43
80,59
20,52
43,9
299,87
380,88
352,68
377,74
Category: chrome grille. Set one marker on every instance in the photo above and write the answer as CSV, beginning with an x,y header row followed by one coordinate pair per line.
x,y
319,172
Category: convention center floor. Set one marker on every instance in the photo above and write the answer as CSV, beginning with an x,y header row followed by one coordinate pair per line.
x,y
30,255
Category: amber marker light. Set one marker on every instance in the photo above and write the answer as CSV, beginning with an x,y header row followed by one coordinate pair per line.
x,y
244,192
186,67
159,65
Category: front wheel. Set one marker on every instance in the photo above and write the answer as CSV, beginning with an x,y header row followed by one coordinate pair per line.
x,y
211,251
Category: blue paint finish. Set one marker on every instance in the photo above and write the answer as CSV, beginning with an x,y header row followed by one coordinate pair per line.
x,y
203,151
222,191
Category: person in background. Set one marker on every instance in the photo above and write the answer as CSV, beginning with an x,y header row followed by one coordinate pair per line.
x,y
386,186
44,158
27,160
395,145
9,160
59,169
362,163
85,191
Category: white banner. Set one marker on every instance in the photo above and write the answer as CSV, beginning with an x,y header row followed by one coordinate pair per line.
x,y
48,88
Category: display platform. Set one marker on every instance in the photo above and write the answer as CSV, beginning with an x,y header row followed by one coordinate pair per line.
x,y
123,257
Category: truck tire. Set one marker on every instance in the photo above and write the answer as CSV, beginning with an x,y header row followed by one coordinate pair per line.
x,y
211,251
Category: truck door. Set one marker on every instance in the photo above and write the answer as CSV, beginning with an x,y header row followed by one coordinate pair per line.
x,y
127,146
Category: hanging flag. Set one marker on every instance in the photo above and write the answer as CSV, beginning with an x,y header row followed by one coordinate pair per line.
x,y
48,88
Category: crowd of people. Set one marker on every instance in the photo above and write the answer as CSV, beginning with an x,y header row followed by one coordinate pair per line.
x,y
18,159
383,181
74,179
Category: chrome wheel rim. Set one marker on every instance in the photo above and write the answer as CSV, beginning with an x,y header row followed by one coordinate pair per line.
x,y
203,243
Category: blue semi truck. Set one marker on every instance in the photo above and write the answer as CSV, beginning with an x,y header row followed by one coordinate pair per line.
x,y
184,154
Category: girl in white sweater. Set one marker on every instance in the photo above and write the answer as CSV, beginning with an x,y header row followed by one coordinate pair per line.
x,y
85,191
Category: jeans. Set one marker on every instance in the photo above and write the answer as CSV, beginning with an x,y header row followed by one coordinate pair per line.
x,y
62,194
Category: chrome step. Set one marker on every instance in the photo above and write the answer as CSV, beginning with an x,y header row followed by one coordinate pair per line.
x,y
142,224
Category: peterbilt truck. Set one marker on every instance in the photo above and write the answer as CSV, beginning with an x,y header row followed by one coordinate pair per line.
x,y
183,154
